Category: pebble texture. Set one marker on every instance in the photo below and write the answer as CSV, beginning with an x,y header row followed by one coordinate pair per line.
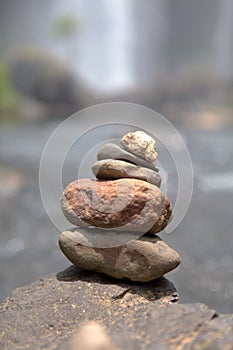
x,y
129,204
140,144
140,260
112,169
112,151
45,315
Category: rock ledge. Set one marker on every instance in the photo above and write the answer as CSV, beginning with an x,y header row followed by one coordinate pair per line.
x,y
44,314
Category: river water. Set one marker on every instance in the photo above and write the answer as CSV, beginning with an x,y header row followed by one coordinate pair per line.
x,y
204,239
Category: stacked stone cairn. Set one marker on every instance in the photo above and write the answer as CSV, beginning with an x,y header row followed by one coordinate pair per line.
x,y
118,215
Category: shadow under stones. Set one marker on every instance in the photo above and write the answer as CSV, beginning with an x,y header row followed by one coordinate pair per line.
x,y
151,291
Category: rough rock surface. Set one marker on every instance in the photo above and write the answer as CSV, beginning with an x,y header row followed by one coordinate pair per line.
x,y
112,151
112,169
45,314
140,260
140,144
129,204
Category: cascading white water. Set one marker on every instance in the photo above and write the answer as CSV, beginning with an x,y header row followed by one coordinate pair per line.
x,y
224,39
100,51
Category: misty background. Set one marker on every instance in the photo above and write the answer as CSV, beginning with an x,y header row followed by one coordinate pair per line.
x,y
57,57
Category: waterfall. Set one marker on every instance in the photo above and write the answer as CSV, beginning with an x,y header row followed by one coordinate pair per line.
x,y
224,39
100,52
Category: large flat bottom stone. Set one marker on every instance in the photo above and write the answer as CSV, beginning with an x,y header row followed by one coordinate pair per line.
x,y
141,260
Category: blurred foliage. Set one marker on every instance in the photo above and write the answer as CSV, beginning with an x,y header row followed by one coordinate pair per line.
x,y
46,84
8,96
64,26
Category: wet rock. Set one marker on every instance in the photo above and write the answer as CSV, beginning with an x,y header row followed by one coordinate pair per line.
x,y
140,144
112,151
140,260
111,169
129,204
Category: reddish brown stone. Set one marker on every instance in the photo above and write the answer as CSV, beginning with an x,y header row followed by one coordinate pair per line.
x,y
128,204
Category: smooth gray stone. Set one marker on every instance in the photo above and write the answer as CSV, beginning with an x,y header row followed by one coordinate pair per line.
x,y
112,151
112,169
